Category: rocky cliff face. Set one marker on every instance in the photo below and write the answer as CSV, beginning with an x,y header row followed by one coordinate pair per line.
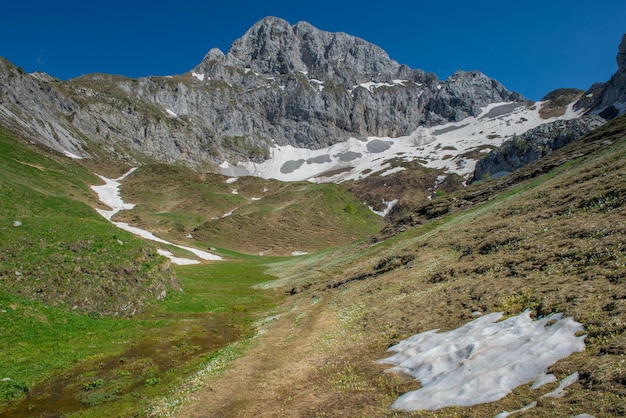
x,y
278,84
609,99
533,145
603,101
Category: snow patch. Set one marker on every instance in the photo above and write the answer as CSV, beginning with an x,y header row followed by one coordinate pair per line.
x,y
385,212
177,260
559,392
227,214
556,393
72,155
320,84
231,180
370,85
505,414
443,147
483,360
199,76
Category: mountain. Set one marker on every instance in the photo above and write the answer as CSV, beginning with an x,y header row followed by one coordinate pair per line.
x,y
533,145
602,101
131,333
277,85
286,101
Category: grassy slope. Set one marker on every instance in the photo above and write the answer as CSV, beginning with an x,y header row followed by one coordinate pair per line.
x,y
270,216
63,252
63,255
551,242
65,273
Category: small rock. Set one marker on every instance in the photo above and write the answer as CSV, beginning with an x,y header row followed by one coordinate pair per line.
x,y
17,223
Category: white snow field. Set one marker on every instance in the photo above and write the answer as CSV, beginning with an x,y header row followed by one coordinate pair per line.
x,y
109,194
441,146
483,360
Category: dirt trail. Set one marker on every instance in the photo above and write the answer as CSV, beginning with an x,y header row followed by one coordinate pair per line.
x,y
273,378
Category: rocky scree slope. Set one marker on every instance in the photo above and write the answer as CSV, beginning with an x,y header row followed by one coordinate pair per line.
x,y
602,101
533,145
278,84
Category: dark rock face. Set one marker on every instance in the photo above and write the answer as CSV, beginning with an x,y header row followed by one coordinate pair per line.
x,y
609,99
621,55
532,145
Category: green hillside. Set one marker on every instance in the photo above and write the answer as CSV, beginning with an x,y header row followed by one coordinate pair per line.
x,y
90,314
56,249
248,214
548,238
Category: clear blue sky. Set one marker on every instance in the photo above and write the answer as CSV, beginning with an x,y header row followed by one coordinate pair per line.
x,y
531,46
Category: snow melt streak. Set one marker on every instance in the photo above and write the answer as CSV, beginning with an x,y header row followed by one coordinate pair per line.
x,y
483,360
109,194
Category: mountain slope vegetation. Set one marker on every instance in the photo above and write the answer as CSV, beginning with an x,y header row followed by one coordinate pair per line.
x,y
93,321
247,214
57,249
549,239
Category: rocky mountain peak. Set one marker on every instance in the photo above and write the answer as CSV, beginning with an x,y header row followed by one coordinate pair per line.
x,y
279,84
268,47
274,47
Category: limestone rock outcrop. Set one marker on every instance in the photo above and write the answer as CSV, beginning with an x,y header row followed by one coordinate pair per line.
x,y
278,84
533,145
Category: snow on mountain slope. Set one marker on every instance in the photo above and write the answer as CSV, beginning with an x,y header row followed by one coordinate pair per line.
x,y
447,147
